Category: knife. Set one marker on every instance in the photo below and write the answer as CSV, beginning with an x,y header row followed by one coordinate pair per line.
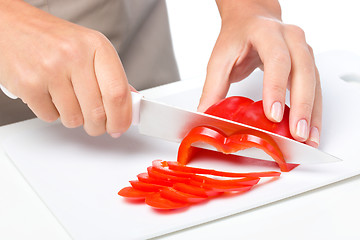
x,y
171,123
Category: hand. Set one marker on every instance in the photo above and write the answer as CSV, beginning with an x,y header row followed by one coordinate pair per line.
x,y
252,35
63,70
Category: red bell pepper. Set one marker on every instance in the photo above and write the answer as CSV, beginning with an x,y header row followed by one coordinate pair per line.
x,y
243,110
229,144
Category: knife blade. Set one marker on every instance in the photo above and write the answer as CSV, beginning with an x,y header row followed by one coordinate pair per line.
x,y
171,123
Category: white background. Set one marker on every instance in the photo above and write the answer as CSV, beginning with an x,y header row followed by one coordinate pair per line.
x,y
195,24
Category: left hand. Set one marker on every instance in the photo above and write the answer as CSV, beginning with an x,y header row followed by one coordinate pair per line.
x,y
252,35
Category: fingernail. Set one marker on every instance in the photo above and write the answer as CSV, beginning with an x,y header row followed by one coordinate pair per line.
x,y
302,129
276,111
115,135
315,136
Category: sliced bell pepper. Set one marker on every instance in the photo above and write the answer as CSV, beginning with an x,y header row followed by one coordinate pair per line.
x,y
164,177
162,167
146,187
231,144
178,196
226,182
184,168
195,190
221,188
145,178
157,201
133,194
165,188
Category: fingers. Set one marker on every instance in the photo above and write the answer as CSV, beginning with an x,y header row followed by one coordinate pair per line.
x,y
303,83
42,107
316,117
36,97
114,89
289,61
276,60
90,100
64,98
96,94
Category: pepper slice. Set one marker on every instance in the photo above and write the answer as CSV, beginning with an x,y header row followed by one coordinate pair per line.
x,y
145,178
231,144
183,168
157,201
133,194
164,177
221,188
178,196
195,190
146,187
226,182
162,167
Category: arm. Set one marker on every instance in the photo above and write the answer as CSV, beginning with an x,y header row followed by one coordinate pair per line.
x,y
63,70
253,35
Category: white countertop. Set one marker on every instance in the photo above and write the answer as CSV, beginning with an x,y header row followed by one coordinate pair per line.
x,y
331,212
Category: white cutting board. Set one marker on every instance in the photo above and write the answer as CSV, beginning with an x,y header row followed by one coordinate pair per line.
x,y
78,177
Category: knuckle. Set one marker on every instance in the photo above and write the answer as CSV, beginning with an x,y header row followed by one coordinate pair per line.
x,y
73,121
277,89
97,38
67,48
306,108
309,70
31,90
269,23
70,50
296,31
117,95
311,50
98,115
66,51
281,56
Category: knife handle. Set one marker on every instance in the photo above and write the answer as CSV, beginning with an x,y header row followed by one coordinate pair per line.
x,y
135,97
136,100
7,93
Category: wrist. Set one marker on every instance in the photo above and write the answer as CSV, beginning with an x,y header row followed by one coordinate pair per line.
x,y
230,9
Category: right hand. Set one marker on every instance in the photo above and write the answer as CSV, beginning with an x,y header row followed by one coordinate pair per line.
x,y
60,69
